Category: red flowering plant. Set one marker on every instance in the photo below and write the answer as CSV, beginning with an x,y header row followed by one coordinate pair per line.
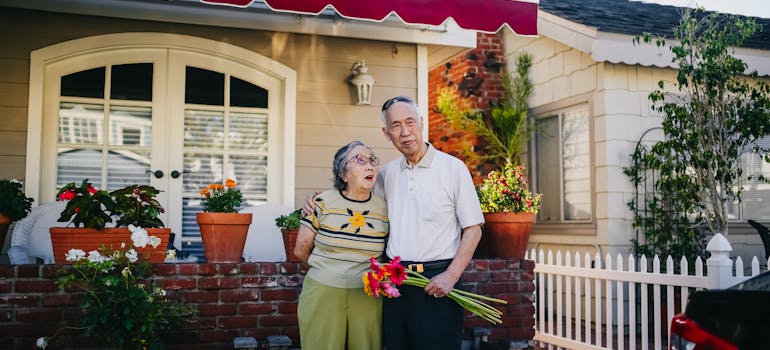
x,y
87,206
506,190
383,280
92,208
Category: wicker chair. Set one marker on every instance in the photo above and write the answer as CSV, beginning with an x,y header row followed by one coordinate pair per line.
x,y
30,238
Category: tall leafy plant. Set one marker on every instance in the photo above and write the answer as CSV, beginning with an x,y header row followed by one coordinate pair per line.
x,y
504,127
715,114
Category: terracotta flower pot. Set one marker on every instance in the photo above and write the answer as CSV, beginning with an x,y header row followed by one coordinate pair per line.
x,y
223,235
506,235
65,238
289,242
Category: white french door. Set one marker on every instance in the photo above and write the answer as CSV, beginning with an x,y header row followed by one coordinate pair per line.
x,y
175,119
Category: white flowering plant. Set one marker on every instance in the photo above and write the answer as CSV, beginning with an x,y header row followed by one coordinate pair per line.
x,y
121,304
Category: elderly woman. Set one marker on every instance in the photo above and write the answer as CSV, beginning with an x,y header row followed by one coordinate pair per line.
x,y
349,225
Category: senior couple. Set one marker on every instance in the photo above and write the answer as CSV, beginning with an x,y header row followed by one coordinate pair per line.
x,y
422,207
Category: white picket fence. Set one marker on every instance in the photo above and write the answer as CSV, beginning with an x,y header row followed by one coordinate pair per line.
x,y
605,304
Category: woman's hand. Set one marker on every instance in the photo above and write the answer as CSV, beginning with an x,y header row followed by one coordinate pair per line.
x,y
307,209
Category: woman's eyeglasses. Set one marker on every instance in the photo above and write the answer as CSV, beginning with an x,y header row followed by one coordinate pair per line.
x,y
363,160
390,102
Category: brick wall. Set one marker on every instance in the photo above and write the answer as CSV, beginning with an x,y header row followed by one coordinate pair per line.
x,y
471,65
247,299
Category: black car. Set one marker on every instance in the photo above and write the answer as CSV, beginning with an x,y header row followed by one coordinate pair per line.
x,y
733,318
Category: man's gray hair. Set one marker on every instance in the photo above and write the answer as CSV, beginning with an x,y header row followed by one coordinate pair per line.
x,y
340,160
393,100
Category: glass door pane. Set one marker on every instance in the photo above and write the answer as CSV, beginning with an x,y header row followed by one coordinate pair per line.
x,y
105,139
220,141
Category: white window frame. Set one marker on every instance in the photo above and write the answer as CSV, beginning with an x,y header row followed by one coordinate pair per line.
x,y
283,170
561,226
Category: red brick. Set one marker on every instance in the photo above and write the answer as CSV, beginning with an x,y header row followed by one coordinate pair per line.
x,y
38,314
54,271
475,277
238,295
207,269
20,300
201,297
248,269
218,336
291,281
187,269
16,330
527,265
5,286
279,320
178,283
255,308
28,271
229,322
218,283
521,310
500,276
199,322
165,269
524,286
290,268
217,309
267,268
6,315
228,269
490,289
498,264
279,294
7,271
287,308
61,299
258,282
482,264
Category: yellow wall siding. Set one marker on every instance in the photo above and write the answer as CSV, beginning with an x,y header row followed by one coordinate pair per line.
x,y
326,119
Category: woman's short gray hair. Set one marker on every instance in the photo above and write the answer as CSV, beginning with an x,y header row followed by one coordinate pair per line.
x,y
340,160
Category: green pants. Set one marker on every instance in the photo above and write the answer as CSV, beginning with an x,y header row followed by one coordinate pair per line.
x,y
338,318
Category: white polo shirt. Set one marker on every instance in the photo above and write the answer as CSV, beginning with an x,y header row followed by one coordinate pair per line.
x,y
428,205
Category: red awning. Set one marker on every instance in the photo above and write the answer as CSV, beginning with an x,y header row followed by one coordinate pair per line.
x,y
481,15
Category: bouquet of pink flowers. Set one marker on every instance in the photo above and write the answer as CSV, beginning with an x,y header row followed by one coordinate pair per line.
x,y
384,278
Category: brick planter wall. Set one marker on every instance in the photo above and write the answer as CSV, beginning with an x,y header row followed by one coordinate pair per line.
x,y
247,299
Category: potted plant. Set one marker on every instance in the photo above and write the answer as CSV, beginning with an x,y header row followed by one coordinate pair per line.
x,y
509,211
14,205
89,210
223,229
120,304
504,128
289,225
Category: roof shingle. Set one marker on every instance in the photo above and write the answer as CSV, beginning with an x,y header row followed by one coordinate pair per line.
x,y
634,18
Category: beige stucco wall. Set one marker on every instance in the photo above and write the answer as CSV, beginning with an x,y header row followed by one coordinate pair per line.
x,y
325,118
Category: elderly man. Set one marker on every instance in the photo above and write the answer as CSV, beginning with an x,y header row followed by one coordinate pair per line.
x,y
435,225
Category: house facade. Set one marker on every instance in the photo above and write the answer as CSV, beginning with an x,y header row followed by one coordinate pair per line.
x,y
590,106
182,94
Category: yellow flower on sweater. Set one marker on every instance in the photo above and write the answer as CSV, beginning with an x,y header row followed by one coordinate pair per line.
x,y
357,220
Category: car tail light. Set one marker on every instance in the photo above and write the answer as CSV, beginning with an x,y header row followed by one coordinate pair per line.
x,y
687,335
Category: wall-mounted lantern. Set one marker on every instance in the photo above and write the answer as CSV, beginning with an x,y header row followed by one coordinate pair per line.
x,y
363,82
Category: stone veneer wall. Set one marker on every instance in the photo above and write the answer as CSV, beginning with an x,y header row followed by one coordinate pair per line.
x,y
233,300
